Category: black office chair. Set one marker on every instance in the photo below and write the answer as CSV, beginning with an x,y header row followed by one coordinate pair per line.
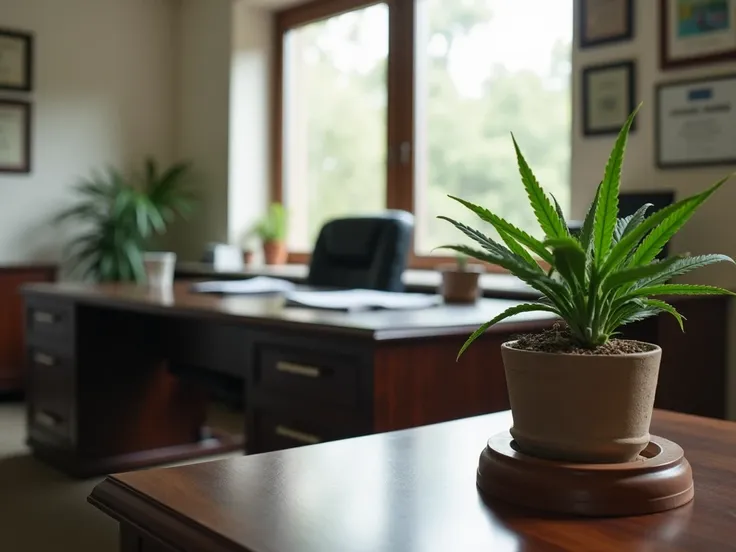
x,y
368,252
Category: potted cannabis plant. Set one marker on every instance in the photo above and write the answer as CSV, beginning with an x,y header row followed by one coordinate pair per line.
x,y
460,281
271,229
120,215
577,392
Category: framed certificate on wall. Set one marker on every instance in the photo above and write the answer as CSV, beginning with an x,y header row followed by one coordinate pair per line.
x,y
609,97
16,61
605,21
696,123
15,136
694,32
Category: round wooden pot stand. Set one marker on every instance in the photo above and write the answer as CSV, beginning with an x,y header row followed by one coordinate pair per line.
x,y
661,479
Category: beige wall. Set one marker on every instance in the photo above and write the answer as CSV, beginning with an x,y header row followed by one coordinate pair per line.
x,y
712,229
105,83
203,119
250,118
223,117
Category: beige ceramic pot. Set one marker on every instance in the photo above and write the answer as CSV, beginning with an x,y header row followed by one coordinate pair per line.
x,y
581,408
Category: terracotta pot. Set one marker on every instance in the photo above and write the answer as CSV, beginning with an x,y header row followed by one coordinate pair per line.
x,y
275,252
581,408
247,257
460,286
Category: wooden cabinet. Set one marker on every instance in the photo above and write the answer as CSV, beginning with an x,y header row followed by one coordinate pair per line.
x,y
12,355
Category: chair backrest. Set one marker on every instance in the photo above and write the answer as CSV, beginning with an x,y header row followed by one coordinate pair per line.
x,y
368,252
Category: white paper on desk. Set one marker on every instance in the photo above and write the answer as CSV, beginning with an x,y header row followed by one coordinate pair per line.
x,y
259,284
361,299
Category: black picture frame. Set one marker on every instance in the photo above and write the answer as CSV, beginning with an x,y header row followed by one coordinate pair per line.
x,y
731,161
27,110
666,62
28,41
588,71
588,42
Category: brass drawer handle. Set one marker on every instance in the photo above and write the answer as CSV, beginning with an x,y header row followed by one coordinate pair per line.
x,y
44,317
47,419
302,437
298,369
44,359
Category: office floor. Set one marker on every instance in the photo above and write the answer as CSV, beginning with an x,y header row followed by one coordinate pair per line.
x,y
42,509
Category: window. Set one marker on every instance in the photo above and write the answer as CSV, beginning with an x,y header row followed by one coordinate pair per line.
x,y
334,106
400,104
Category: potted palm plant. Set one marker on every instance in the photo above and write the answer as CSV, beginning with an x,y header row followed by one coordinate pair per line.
x,y
121,214
578,393
272,232
460,281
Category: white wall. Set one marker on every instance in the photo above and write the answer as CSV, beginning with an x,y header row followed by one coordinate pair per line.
x,y
105,80
712,229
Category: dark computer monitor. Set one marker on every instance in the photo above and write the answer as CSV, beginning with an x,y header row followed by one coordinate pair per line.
x,y
630,202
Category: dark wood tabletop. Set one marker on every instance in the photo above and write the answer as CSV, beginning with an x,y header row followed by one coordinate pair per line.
x,y
406,491
271,310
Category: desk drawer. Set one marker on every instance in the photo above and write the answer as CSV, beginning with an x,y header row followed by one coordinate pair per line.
x,y
51,392
276,430
50,320
308,374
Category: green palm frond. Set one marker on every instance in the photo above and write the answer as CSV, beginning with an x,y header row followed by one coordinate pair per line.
x,y
121,214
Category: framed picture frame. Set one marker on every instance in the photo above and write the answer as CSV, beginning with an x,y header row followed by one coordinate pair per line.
x,y
694,32
605,21
696,123
15,136
16,61
609,97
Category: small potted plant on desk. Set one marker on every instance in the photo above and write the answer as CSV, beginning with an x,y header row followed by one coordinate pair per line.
x,y
122,214
272,232
577,392
460,281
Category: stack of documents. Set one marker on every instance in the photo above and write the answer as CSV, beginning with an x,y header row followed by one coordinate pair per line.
x,y
342,300
259,284
361,299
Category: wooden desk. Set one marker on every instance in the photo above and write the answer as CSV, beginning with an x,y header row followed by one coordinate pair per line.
x,y
412,490
103,398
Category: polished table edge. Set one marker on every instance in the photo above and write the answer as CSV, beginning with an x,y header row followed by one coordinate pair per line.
x,y
155,521
87,298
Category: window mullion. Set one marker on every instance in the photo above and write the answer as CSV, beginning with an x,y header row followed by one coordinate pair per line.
x,y
400,158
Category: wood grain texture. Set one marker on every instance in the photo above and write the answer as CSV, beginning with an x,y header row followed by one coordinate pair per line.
x,y
408,490
659,480
12,355
423,383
